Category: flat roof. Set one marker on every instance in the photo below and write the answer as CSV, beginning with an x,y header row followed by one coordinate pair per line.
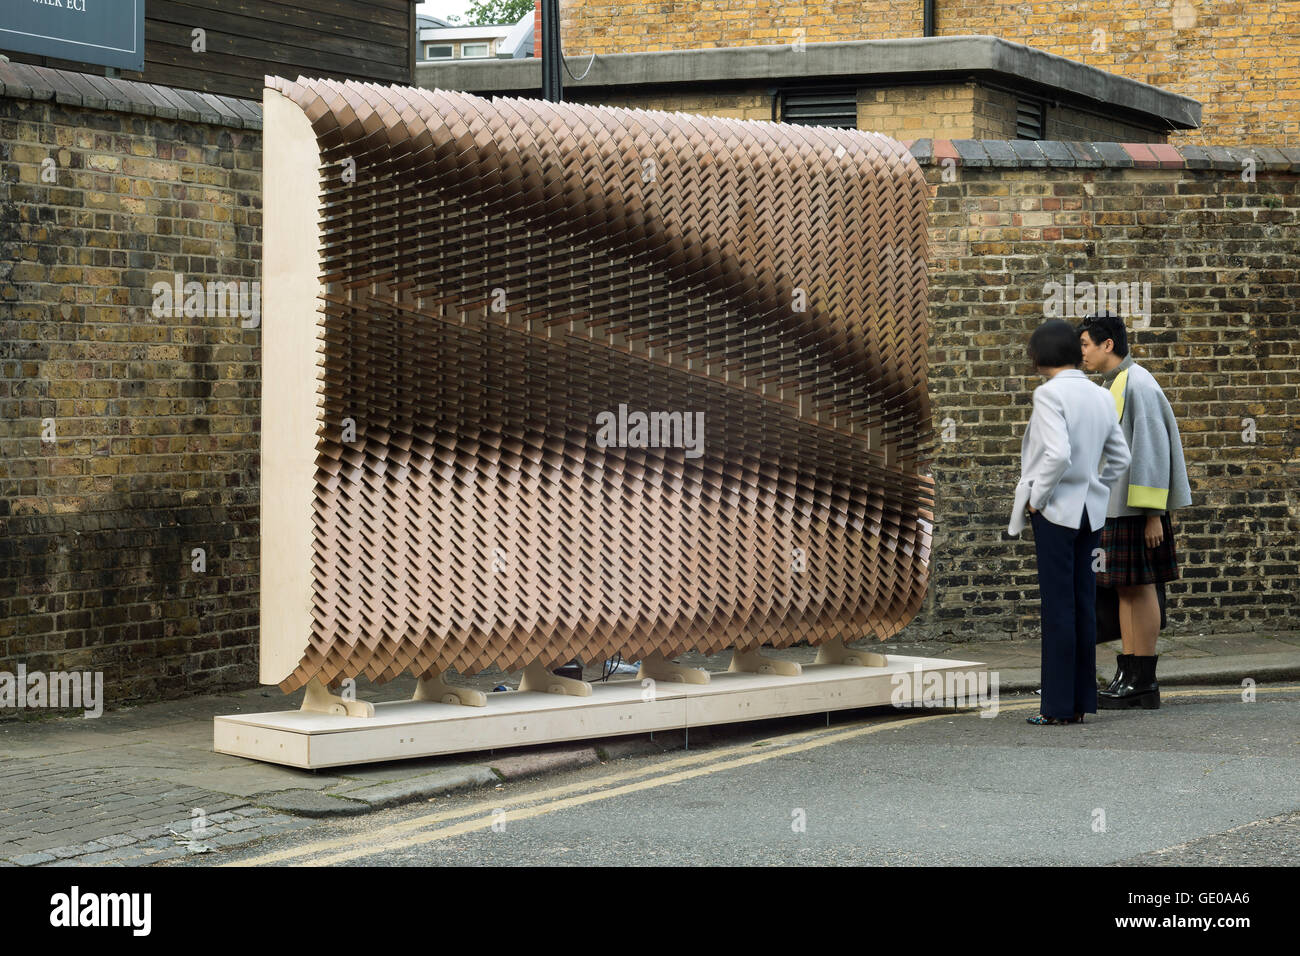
x,y
433,34
894,62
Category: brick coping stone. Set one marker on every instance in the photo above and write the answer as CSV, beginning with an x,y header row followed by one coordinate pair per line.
x,y
1024,153
22,81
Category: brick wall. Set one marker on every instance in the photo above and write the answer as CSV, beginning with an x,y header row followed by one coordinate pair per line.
x,y
755,104
973,111
155,420
910,112
995,118
1241,60
1222,256
1064,123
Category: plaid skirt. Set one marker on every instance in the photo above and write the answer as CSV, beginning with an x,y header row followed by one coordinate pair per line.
x,y
1128,559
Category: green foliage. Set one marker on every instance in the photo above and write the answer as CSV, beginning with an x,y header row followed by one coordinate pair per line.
x,y
491,12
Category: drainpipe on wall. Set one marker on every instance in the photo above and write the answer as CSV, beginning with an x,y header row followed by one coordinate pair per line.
x,y
927,18
552,85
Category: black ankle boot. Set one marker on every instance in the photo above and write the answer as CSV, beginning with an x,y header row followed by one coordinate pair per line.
x,y
1122,663
1147,688
1136,688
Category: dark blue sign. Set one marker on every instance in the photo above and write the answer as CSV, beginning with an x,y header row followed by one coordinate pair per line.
x,y
104,32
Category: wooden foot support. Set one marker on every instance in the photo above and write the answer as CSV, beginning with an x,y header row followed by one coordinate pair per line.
x,y
538,678
834,652
657,667
319,700
753,662
435,687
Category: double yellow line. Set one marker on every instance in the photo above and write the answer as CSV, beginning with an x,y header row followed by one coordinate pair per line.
x,y
431,827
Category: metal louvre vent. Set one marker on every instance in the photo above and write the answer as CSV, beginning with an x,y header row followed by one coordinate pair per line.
x,y
838,108
1031,117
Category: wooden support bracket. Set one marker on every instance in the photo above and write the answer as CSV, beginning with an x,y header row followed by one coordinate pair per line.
x,y
435,687
657,667
753,662
319,700
538,678
834,652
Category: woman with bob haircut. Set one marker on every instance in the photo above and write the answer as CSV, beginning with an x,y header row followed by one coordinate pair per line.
x,y
1073,431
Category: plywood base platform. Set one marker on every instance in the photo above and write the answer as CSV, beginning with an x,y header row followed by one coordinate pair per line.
x,y
408,729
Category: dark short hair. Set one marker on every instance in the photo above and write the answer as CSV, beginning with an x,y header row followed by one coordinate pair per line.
x,y
1054,344
1103,326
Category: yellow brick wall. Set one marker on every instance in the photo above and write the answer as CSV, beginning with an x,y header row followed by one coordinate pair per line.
x,y
601,26
995,116
1065,123
1241,60
750,104
938,112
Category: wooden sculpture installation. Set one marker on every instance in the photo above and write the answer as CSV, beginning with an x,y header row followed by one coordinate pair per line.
x,y
549,381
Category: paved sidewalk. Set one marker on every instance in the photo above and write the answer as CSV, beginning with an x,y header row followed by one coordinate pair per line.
x,y
141,784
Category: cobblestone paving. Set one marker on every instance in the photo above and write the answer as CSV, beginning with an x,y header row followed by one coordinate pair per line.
x,y
53,815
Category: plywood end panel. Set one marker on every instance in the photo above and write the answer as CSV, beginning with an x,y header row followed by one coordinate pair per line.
x,y
290,286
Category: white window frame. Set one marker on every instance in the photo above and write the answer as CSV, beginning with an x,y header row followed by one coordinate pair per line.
x,y
487,51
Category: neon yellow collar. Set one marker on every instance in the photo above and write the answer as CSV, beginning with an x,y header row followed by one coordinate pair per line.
x,y
1117,392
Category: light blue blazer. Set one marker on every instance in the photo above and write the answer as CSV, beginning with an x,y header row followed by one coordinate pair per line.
x,y
1072,453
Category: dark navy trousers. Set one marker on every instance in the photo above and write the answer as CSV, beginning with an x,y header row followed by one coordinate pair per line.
x,y
1067,588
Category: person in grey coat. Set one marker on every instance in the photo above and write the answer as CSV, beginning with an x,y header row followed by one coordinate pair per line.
x,y
1138,539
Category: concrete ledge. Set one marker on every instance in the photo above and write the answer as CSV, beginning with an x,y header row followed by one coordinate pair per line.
x,y
416,788
312,803
358,797
1179,672
530,764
